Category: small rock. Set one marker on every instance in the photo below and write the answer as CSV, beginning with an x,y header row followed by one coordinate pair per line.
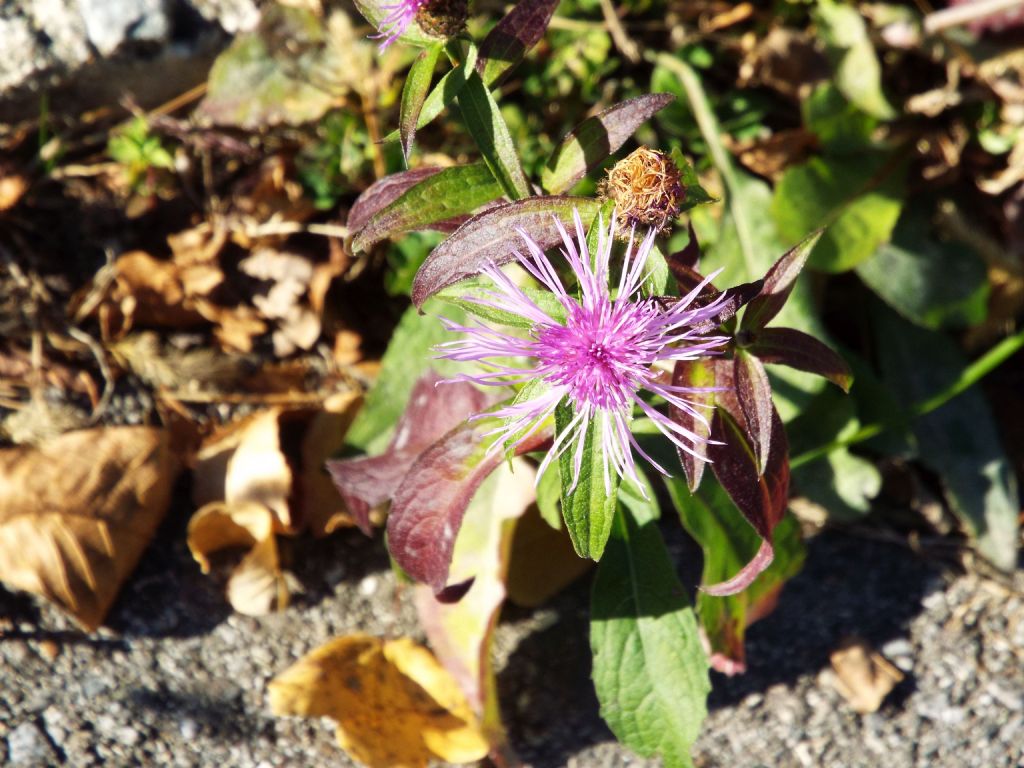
x,y
1012,700
368,586
55,723
128,736
897,648
27,745
188,728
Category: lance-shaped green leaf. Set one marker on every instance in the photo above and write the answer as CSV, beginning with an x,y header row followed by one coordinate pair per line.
x,y
448,193
428,507
375,11
414,93
489,131
761,496
383,193
650,669
788,346
728,543
589,497
778,284
520,30
491,238
593,140
444,93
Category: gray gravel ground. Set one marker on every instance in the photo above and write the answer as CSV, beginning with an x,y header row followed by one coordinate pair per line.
x,y
177,680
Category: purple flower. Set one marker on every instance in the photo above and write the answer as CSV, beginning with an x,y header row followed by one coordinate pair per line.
x,y
401,15
608,349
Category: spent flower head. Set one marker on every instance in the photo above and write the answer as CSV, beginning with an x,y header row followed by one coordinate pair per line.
x,y
647,188
440,18
608,349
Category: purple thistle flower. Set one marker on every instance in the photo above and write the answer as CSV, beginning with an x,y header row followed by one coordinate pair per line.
x,y
401,15
600,358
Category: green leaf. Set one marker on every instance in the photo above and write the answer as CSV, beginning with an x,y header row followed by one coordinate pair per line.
x,y
840,126
728,544
656,273
414,93
589,507
650,669
492,137
451,192
409,354
857,200
375,11
858,73
933,283
549,496
463,294
445,92
959,441
843,484
694,194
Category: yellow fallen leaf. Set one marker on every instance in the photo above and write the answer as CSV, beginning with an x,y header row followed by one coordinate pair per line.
x,y
257,585
77,512
395,705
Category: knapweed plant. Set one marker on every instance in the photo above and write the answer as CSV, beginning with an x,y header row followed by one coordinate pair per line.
x,y
559,328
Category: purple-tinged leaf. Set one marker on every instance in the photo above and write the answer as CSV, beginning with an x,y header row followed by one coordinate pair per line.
x,y
491,238
414,93
778,284
427,510
736,297
754,393
383,193
433,410
761,496
593,140
788,346
706,372
513,36
443,195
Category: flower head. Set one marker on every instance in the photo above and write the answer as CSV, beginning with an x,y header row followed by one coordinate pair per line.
x,y
606,350
646,186
440,18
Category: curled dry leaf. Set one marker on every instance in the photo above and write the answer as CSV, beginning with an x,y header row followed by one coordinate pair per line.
x,y
244,463
323,511
395,705
863,677
257,585
77,512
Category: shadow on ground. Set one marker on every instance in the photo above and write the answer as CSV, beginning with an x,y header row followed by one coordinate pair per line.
x,y
848,587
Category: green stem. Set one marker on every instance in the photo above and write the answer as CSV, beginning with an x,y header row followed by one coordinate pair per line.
x,y
968,377
712,133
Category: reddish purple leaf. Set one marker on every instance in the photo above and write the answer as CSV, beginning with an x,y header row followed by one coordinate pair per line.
x,y
689,256
778,284
593,140
688,278
788,346
383,193
708,372
433,410
754,393
492,238
427,510
761,497
520,30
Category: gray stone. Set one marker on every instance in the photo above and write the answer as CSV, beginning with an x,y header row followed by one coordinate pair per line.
x,y
27,745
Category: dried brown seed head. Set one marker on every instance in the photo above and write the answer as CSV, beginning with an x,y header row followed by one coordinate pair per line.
x,y
647,188
443,18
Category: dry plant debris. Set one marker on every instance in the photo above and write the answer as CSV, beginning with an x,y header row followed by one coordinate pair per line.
x,y
77,512
395,705
863,676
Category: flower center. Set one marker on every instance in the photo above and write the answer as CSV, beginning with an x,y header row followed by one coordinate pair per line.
x,y
602,356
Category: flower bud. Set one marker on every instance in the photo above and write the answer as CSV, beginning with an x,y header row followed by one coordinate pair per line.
x,y
647,188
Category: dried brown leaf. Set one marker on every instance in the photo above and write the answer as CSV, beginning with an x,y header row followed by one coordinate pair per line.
x,y
323,511
77,512
863,677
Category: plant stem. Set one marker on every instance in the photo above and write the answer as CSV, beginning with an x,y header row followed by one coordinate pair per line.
x,y
968,377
